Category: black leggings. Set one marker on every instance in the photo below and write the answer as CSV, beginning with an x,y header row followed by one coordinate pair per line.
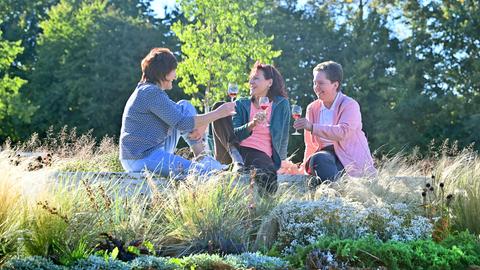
x,y
223,136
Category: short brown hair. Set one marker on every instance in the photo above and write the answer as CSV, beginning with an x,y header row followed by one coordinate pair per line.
x,y
270,72
333,71
157,64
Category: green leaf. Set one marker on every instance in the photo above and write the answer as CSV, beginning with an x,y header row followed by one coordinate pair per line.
x,y
114,253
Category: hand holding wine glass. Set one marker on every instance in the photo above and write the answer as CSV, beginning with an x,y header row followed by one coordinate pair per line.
x,y
264,102
296,114
232,91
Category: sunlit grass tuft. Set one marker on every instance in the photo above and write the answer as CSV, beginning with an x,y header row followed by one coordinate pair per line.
x,y
10,215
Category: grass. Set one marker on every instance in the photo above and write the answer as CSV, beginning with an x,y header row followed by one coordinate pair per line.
x,y
213,214
65,221
10,199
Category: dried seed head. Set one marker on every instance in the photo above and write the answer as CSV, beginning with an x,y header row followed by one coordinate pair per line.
x,y
431,189
428,185
449,196
442,185
433,177
424,194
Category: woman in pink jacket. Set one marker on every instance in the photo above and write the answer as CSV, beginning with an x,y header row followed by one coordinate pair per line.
x,y
334,140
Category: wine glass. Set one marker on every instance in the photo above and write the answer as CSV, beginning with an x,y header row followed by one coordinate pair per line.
x,y
296,114
264,103
232,91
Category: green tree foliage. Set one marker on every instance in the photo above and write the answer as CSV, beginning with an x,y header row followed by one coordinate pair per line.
x,y
14,110
446,37
21,20
88,64
219,44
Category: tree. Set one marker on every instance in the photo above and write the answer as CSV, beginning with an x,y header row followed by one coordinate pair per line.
x,y
21,20
219,44
88,64
445,41
13,109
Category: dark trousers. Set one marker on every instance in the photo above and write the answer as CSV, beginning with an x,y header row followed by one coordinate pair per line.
x,y
256,160
325,165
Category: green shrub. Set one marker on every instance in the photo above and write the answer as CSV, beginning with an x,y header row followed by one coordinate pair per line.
x,y
256,261
151,262
419,254
96,263
205,261
31,263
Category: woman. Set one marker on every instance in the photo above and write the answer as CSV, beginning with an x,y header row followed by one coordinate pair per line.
x,y
152,123
255,138
334,140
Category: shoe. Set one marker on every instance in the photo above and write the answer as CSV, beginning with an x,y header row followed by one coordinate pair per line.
x,y
210,164
235,154
238,167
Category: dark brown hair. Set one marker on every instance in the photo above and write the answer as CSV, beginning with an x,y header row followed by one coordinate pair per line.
x,y
270,72
333,71
157,64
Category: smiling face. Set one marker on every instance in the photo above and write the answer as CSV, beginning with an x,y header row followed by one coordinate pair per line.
x,y
259,86
167,84
325,89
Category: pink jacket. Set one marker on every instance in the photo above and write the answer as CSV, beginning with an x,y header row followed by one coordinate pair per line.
x,y
349,141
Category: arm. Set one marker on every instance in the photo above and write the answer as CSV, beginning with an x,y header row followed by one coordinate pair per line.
x,y
170,112
241,126
285,111
350,120
167,110
226,109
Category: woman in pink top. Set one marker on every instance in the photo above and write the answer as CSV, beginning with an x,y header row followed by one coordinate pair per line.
x,y
334,140
257,137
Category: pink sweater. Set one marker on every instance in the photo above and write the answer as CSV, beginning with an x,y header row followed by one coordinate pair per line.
x,y
349,141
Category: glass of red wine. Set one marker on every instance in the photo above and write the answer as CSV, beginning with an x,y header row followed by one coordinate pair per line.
x,y
296,114
264,103
232,91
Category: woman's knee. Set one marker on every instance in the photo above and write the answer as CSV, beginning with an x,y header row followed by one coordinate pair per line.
x,y
321,158
187,107
323,165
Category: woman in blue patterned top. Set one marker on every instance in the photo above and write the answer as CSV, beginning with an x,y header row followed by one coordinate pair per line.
x,y
152,123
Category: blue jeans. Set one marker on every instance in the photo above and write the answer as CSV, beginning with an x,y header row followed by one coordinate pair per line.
x,y
162,160
325,165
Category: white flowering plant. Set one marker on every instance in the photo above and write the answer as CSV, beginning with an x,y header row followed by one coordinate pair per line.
x,y
303,222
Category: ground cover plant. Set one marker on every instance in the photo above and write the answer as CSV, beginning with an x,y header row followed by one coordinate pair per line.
x,y
457,251
416,205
